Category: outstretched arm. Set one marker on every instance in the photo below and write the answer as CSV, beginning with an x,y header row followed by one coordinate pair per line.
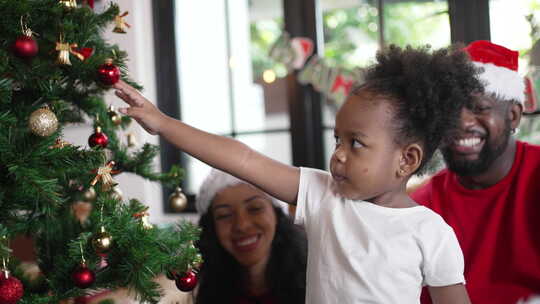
x,y
452,294
221,152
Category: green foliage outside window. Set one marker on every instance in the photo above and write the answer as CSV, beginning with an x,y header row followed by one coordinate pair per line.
x,y
263,35
417,23
344,29
530,124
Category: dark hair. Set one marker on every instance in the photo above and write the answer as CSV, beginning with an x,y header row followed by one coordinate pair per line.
x,y
427,91
221,275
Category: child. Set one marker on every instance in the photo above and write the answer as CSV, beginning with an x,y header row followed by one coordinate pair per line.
x,y
368,242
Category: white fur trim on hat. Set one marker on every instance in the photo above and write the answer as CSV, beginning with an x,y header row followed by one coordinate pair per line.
x,y
503,82
213,183
535,299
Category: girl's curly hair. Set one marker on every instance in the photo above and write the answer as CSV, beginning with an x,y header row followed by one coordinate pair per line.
x,y
426,89
221,275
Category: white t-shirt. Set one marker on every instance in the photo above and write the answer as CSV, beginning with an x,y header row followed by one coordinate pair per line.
x,y
359,252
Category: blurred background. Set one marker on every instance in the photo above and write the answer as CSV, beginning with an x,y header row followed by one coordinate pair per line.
x,y
209,63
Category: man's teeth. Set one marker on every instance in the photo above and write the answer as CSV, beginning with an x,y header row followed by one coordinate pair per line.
x,y
248,241
469,142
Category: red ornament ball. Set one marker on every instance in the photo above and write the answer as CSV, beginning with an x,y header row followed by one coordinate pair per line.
x,y
11,289
98,139
108,73
25,46
186,281
83,277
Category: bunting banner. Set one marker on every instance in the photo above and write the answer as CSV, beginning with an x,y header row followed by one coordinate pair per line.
x,y
297,54
336,83
531,102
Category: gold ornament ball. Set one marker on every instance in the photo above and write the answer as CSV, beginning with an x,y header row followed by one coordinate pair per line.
x,y
177,200
102,241
90,194
43,122
114,116
69,3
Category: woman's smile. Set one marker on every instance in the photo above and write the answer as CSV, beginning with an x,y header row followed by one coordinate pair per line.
x,y
246,244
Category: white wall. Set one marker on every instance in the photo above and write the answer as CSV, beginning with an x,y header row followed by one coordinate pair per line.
x,y
139,43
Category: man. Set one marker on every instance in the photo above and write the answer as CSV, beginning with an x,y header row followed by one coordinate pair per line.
x,y
490,193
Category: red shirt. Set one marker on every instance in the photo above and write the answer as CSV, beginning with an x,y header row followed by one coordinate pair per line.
x,y
498,228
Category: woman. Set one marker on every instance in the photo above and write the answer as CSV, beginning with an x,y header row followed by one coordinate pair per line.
x,y
252,251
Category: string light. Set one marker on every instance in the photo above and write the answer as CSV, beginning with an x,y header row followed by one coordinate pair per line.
x,y
269,76
232,63
373,27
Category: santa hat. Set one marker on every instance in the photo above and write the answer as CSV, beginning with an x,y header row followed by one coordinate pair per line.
x,y
216,181
500,69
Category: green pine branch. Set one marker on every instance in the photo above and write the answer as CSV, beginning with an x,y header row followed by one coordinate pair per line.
x,y
42,184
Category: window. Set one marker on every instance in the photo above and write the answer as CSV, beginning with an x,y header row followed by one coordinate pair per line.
x,y
224,83
522,34
355,30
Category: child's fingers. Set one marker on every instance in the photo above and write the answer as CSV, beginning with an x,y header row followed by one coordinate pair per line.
x,y
124,97
121,85
126,88
128,94
133,112
130,99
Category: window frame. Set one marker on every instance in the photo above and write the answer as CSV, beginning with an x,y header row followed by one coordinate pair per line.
x,y
469,21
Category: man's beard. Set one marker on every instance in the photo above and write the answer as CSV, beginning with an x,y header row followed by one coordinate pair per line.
x,y
490,152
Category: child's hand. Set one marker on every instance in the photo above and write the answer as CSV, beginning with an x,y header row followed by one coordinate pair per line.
x,y
142,110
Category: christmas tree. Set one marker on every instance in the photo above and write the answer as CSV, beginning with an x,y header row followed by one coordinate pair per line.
x,y
54,70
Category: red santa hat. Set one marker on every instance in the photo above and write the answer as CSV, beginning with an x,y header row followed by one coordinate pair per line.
x,y
500,69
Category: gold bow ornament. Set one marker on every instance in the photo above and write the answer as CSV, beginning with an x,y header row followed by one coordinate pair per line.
x,y
144,216
104,175
64,50
121,24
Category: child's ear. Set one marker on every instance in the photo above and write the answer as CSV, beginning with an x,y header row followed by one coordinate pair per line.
x,y
411,158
